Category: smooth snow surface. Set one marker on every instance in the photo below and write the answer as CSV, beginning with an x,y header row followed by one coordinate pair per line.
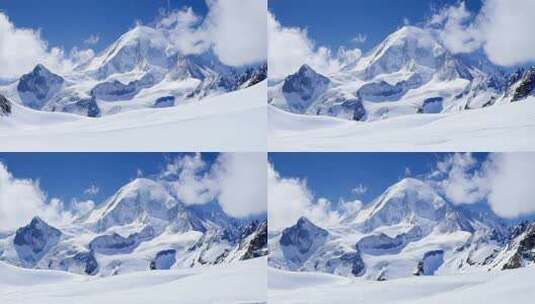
x,y
241,282
512,286
500,128
234,121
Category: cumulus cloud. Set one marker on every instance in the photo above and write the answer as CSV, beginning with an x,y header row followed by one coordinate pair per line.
x,y
236,180
234,29
21,49
290,198
22,199
511,177
290,47
504,181
502,28
242,183
193,184
237,30
461,180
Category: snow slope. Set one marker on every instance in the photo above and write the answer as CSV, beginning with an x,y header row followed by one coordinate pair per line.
x,y
502,127
243,282
234,121
512,286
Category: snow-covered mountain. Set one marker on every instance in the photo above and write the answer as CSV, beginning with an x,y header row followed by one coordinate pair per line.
x,y
142,69
141,227
410,72
411,229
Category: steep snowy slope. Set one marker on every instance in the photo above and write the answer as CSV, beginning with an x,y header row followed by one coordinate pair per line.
x,y
408,230
234,121
242,282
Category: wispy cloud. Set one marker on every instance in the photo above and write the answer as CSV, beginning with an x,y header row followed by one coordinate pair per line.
x,y
92,39
502,28
359,38
92,190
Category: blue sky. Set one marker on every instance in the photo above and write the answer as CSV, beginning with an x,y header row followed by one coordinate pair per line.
x,y
335,23
68,175
334,175
68,23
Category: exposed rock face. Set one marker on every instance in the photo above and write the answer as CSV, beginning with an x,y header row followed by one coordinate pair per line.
x,y
524,250
33,241
165,102
116,244
37,87
163,260
381,244
256,238
301,240
87,262
526,85
5,106
430,262
431,105
303,87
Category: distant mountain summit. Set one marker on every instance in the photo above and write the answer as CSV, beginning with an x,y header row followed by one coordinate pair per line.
x,y
141,227
410,72
410,229
142,69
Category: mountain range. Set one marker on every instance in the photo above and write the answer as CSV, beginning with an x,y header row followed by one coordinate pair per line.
x,y
409,230
143,226
142,69
410,72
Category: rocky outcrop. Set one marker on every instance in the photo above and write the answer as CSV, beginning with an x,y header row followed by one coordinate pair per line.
x,y
5,106
38,86
303,87
33,241
526,86
301,240
164,260
523,248
255,238
116,244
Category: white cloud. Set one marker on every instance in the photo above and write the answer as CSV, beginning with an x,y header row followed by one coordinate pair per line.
x,y
236,180
237,30
359,38
92,190
22,49
184,29
290,47
193,185
288,200
460,179
78,56
510,177
242,183
92,39
503,28
81,208
504,181
360,189
22,199
234,29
